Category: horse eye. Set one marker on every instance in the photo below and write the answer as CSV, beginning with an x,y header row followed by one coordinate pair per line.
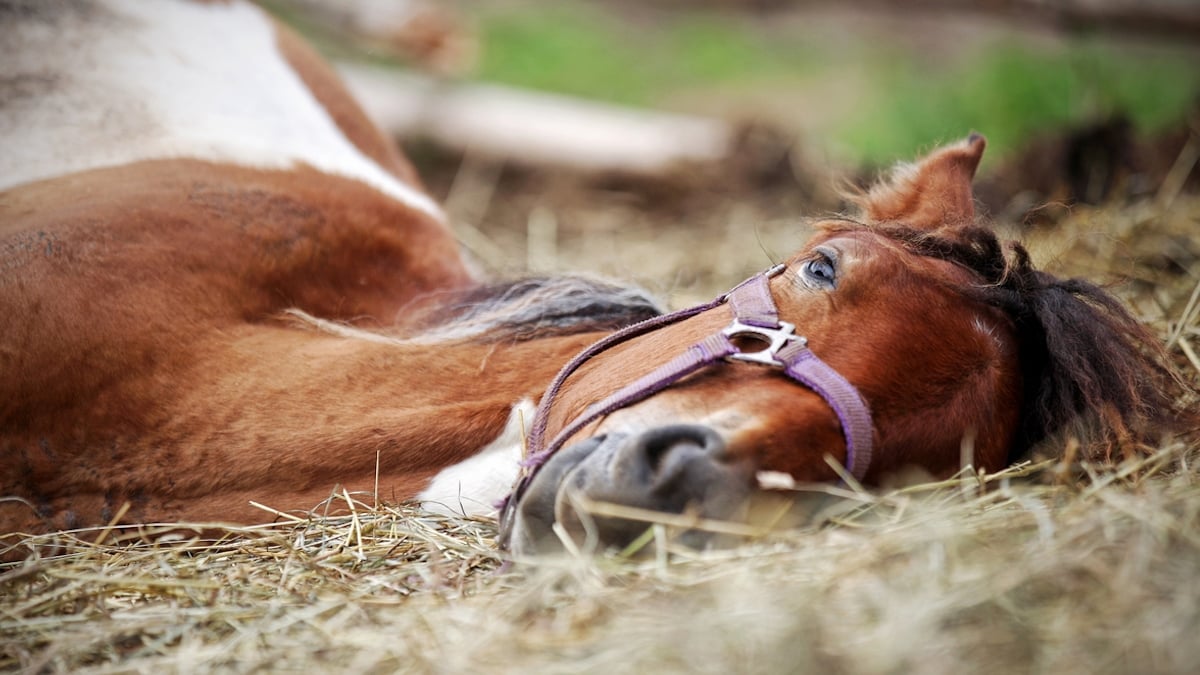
x,y
820,270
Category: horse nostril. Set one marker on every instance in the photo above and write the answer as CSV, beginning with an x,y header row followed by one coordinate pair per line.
x,y
658,442
665,451
669,469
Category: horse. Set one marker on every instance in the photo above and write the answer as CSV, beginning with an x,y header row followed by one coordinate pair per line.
x,y
222,284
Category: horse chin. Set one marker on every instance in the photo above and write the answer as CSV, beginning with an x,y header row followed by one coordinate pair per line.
x,y
592,488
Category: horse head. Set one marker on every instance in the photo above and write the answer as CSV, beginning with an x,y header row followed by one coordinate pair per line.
x,y
907,337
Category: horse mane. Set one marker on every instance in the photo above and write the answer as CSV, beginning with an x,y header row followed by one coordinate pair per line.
x,y
1085,360
539,307
508,311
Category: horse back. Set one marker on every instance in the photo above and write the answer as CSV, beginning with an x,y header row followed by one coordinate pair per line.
x,y
178,170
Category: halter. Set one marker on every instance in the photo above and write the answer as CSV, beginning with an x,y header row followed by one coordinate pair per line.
x,y
755,316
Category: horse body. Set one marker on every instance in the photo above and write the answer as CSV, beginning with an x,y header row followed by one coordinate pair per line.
x,y
143,282
222,284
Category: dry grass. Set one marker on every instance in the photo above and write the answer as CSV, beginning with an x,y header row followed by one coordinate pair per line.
x,y
1095,573
1044,568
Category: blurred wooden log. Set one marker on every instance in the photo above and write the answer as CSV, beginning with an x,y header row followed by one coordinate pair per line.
x,y
1175,19
536,128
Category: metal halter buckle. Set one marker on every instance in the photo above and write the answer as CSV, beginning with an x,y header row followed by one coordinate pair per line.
x,y
776,337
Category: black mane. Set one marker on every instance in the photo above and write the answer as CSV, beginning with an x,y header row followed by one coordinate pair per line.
x,y
1083,356
539,307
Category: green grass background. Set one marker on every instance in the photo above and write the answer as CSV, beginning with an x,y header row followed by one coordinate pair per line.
x,y
1009,88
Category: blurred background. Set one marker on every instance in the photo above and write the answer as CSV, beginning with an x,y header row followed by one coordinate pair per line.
x,y
683,144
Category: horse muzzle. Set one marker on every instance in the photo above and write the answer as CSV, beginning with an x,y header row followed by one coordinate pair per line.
x,y
671,469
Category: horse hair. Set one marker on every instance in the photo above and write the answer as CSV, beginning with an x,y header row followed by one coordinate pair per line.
x,y
525,309
1081,352
539,307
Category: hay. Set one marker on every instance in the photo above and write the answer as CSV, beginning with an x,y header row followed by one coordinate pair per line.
x,y
148,601
1053,567
993,573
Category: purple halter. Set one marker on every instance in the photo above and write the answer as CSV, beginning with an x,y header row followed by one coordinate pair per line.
x,y
754,315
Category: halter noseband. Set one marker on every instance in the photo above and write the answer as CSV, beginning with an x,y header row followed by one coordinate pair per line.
x,y
754,315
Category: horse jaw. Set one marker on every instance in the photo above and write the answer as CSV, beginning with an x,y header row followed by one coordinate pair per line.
x,y
932,193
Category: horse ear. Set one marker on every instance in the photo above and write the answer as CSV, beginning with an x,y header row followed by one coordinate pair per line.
x,y
932,193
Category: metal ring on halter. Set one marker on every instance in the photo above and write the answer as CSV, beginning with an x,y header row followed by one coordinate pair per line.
x,y
775,338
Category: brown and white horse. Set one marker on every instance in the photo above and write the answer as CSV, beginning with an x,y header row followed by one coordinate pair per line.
x,y
220,283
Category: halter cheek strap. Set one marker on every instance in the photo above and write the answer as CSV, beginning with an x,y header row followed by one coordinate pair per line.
x,y
755,315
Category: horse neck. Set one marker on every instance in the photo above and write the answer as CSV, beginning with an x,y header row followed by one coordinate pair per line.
x,y
432,405
277,414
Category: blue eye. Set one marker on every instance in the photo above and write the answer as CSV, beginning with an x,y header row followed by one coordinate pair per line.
x,y
821,271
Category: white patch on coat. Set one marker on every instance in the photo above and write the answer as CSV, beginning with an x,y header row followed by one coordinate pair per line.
x,y
775,480
87,86
474,486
